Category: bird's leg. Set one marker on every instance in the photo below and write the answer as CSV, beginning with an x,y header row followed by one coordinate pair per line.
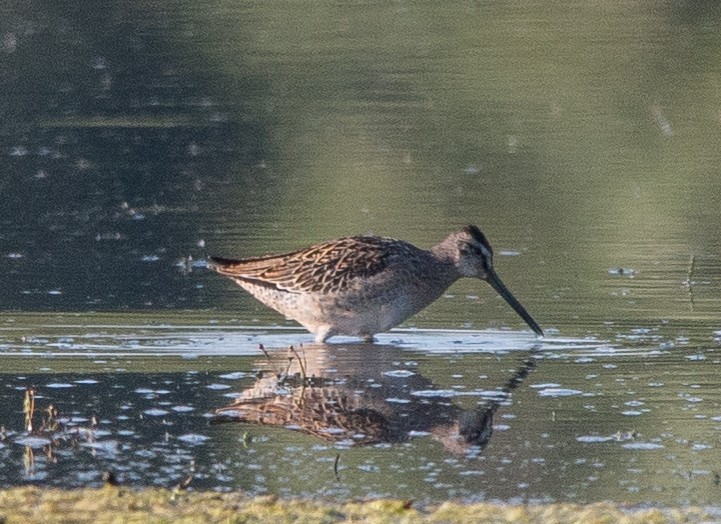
x,y
323,334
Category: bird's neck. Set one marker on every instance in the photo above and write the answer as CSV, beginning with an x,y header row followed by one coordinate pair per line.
x,y
445,264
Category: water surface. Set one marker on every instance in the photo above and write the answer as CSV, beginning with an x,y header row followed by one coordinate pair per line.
x,y
636,419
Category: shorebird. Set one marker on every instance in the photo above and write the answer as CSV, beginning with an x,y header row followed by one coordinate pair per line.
x,y
363,285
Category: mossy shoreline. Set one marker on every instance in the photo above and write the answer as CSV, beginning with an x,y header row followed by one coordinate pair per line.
x,y
111,504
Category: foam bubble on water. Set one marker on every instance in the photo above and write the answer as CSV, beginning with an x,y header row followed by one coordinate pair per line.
x,y
691,399
558,392
155,412
643,446
33,441
622,272
446,393
193,438
593,439
108,446
701,447
399,373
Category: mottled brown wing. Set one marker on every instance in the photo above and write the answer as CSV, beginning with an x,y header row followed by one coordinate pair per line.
x,y
326,267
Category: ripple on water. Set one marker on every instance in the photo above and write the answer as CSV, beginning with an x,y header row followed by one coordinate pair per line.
x,y
155,412
701,447
106,446
399,373
193,438
594,439
445,393
622,272
33,441
643,446
558,392
449,393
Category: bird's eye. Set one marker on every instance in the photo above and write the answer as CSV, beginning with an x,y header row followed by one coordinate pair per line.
x,y
471,250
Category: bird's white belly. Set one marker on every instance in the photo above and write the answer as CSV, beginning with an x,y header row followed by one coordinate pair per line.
x,y
368,320
356,313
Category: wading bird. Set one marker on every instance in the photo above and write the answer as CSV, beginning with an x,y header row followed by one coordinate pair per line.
x,y
364,285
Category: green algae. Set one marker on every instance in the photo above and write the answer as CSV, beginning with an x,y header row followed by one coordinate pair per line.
x,y
115,505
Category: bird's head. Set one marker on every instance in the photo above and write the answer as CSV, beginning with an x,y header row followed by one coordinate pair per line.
x,y
473,253
473,257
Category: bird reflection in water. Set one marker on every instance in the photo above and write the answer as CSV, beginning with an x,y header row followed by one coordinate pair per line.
x,y
359,402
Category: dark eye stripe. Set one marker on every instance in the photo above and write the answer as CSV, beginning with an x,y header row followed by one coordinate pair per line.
x,y
486,263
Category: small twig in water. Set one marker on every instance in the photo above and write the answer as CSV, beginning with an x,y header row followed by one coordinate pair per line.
x,y
262,348
301,362
29,461
29,408
335,467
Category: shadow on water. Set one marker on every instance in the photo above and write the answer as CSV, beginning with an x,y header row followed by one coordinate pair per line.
x,y
367,404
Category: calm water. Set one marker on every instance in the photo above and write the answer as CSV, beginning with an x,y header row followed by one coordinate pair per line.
x,y
584,140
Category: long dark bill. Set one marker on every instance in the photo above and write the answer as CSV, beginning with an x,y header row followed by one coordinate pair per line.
x,y
502,290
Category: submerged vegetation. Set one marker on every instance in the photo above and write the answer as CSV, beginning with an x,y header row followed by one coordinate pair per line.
x,y
47,434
